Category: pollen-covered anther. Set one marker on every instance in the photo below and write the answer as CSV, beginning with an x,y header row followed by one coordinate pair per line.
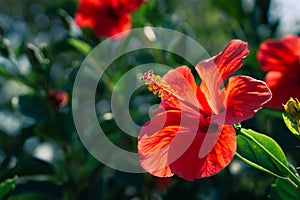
x,y
157,85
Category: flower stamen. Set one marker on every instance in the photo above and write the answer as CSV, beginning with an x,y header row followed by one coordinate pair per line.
x,y
157,85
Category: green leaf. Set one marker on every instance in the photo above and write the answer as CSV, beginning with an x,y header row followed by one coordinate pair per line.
x,y
37,58
80,45
7,186
291,124
31,188
284,190
262,152
30,196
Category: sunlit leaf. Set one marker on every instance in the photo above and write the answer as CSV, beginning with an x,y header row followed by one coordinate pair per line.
x,y
262,152
291,124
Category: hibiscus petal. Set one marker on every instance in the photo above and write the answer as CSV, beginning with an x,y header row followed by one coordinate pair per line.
x,y
215,70
107,25
130,5
244,97
182,81
87,10
190,166
105,17
278,84
153,143
280,55
159,134
153,152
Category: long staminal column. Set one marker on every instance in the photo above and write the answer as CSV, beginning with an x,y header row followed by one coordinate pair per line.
x,y
157,85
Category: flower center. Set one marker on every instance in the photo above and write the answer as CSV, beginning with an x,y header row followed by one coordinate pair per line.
x,y
113,13
158,86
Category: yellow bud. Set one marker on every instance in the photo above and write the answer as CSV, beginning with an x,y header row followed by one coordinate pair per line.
x,y
292,107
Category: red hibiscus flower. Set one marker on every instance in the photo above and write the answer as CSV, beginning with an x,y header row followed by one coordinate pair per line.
x,y
281,59
106,17
191,134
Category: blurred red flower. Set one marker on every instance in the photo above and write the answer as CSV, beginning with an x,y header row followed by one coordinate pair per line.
x,y
191,134
281,59
106,17
57,98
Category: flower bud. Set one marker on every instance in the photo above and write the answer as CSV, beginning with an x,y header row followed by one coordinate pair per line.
x,y
292,107
57,98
